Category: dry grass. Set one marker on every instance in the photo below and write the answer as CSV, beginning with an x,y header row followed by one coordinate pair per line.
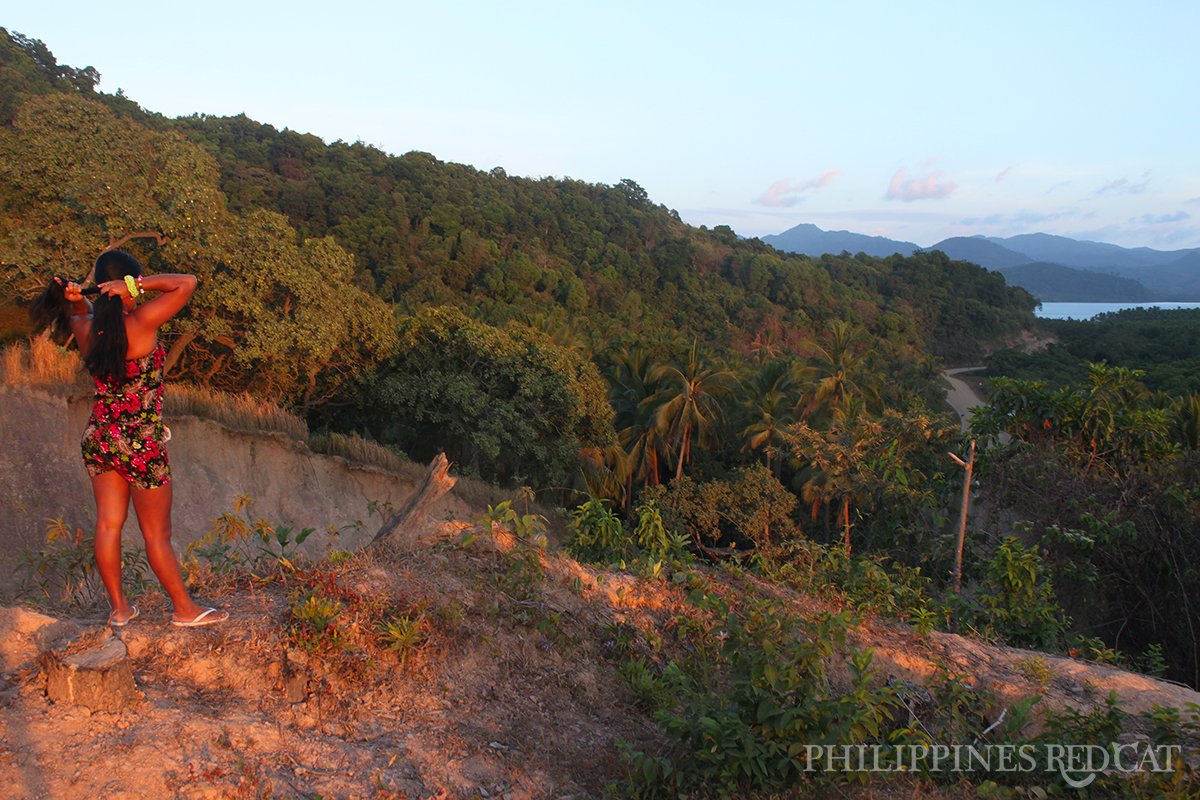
x,y
239,412
361,451
479,494
39,362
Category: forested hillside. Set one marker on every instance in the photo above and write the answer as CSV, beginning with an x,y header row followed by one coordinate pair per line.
x,y
682,395
309,252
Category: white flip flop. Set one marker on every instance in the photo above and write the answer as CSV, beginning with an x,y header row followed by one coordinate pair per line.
x,y
202,618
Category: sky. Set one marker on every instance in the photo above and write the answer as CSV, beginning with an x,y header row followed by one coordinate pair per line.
x,y
917,121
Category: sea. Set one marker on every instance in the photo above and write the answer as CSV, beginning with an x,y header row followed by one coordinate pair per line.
x,y
1089,310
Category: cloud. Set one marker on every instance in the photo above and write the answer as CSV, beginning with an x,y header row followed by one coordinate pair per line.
x,y
1159,219
1019,220
1137,234
1194,200
784,193
1125,186
1002,174
928,186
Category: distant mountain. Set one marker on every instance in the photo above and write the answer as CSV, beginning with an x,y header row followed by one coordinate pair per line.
x,y
812,241
1096,271
981,251
1179,278
1055,283
1087,255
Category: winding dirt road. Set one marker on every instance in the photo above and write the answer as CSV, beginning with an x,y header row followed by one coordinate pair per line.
x,y
961,397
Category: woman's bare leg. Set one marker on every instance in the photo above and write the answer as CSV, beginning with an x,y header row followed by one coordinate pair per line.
x,y
112,506
153,507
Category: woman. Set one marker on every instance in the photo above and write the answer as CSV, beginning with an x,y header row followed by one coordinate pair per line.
x,y
123,446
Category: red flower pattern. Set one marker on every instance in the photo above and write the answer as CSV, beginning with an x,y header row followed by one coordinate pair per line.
x,y
125,432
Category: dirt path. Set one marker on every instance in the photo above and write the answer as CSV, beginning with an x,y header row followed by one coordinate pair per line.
x,y
961,397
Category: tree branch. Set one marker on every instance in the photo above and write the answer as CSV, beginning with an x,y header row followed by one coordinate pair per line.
x,y
158,237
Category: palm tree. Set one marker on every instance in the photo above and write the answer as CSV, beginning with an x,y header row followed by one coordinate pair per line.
x,y
768,404
838,373
688,406
632,390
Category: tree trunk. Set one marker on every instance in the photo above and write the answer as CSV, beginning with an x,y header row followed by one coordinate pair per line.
x,y
968,469
176,351
99,678
157,236
846,520
400,532
683,451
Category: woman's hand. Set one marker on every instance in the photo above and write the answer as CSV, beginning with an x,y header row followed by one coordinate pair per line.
x,y
114,289
71,290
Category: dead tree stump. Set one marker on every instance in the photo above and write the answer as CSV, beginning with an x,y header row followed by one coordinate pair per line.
x,y
98,677
400,532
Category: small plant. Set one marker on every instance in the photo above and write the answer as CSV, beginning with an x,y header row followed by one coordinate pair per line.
x,y
451,614
236,541
1018,599
1100,726
529,528
524,572
403,634
650,533
313,616
648,690
1154,661
316,612
923,620
336,556
1035,669
63,571
599,535
1093,648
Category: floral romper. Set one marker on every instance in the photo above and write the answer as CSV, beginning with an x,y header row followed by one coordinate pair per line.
x,y
125,432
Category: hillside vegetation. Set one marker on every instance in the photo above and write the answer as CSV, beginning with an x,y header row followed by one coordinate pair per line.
x,y
758,437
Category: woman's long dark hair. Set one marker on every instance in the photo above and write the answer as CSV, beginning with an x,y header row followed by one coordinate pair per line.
x,y
105,357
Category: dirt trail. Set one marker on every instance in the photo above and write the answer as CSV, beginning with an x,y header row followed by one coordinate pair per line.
x,y
961,397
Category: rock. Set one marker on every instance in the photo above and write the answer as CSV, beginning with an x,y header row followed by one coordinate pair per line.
x,y
25,633
98,677
295,687
295,681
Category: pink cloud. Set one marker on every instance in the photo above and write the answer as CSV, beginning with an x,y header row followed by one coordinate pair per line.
x,y
928,186
1002,174
784,193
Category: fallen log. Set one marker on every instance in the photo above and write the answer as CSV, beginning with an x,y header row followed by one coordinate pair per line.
x,y
401,530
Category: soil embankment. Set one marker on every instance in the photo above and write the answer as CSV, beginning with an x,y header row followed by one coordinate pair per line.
x,y
44,479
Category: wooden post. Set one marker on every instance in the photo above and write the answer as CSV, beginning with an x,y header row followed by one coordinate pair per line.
x,y
968,469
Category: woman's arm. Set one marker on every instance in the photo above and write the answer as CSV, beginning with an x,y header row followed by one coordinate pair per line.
x,y
81,314
175,291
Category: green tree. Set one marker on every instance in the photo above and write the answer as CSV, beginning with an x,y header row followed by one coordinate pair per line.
x,y
280,318
865,463
506,403
76,178
688,405
768,404
634,387
838,373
